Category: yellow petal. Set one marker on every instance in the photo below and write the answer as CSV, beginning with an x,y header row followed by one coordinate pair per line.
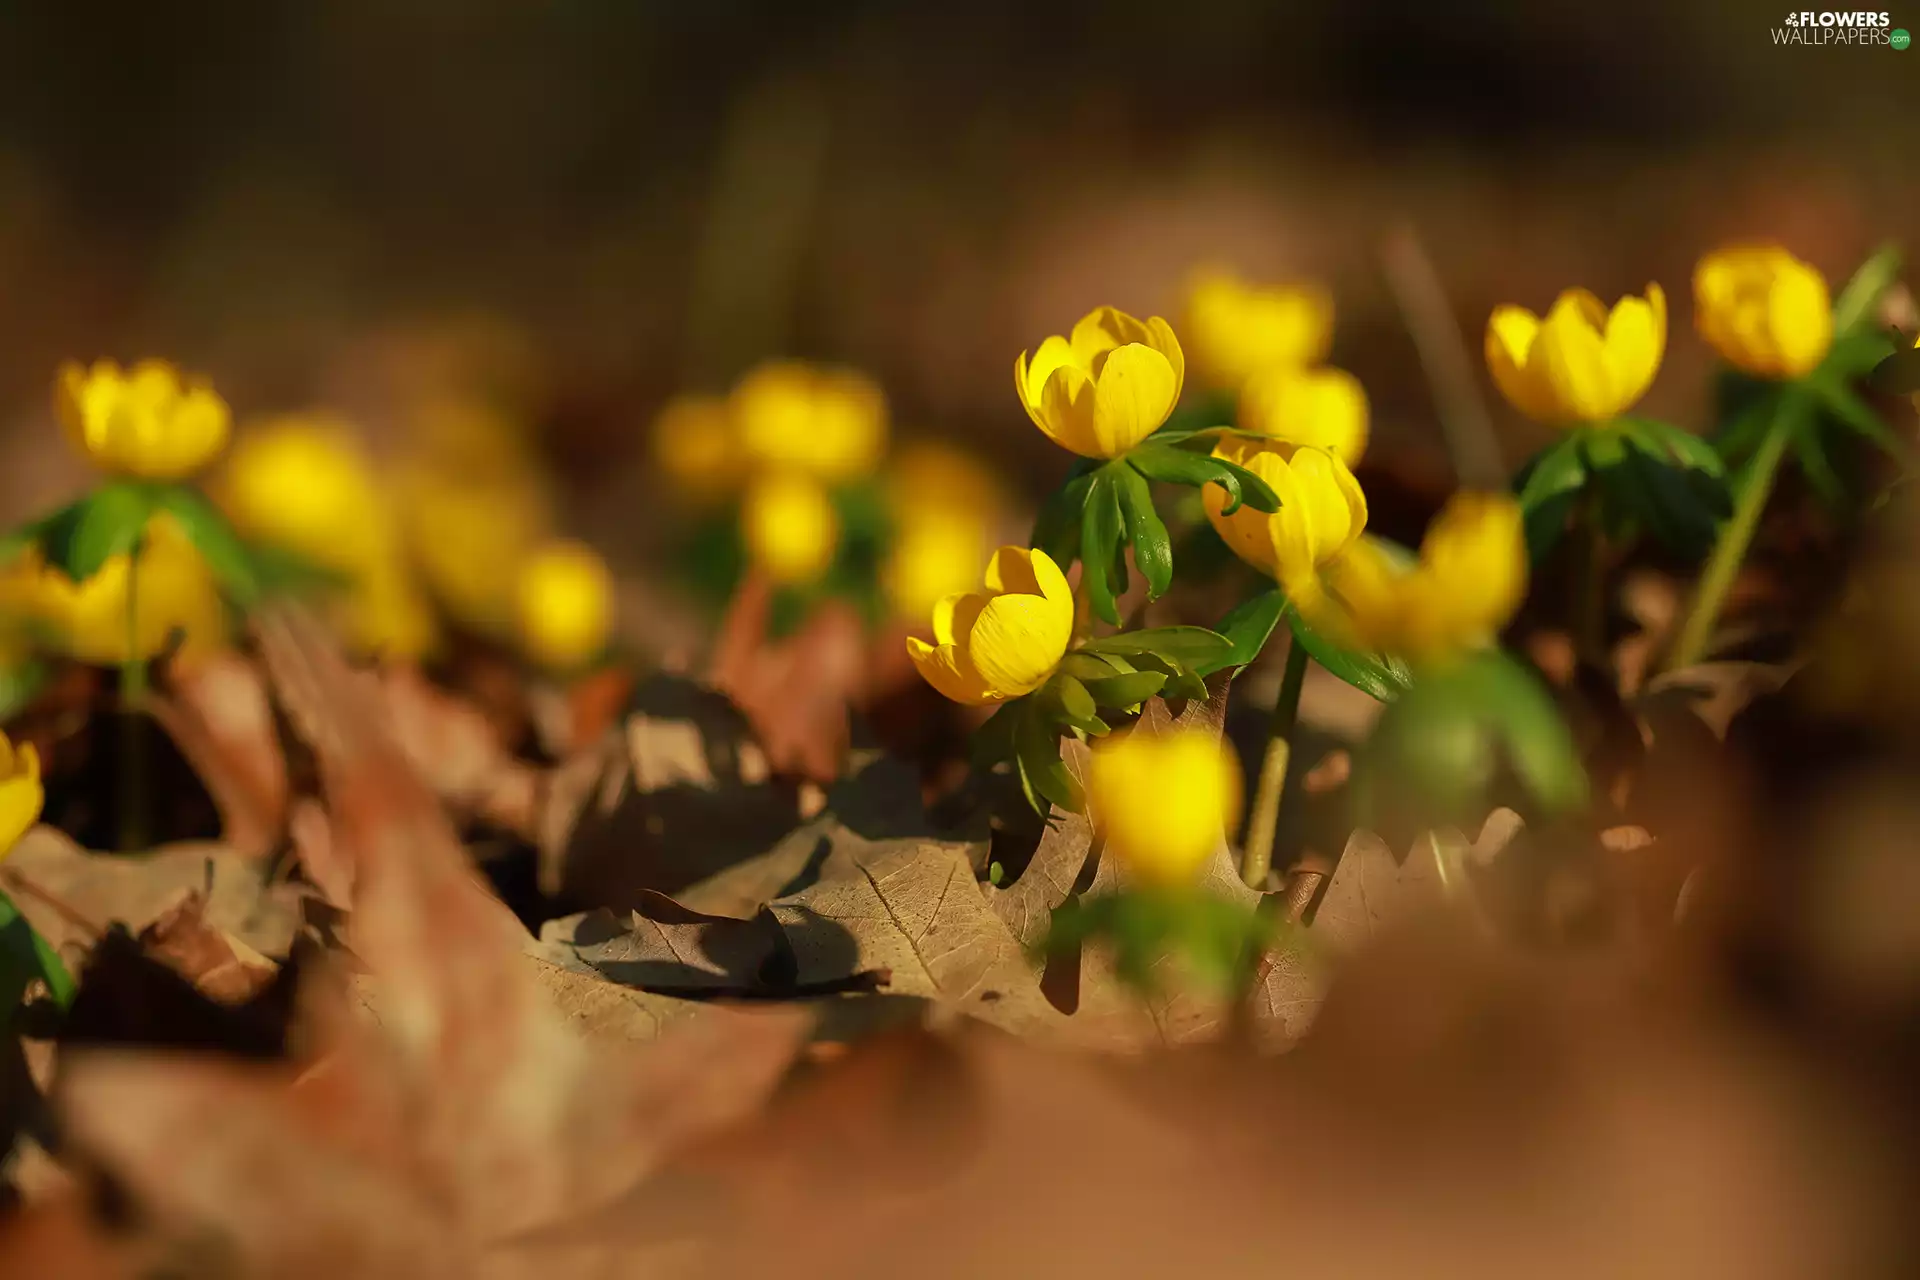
x,y
1800,316
945,668
1573,359
1636,339
1161,338
1247,532
1066,411
1321,511
1102,330
1326,408
1475,553
1512,358
1132,396
1017,641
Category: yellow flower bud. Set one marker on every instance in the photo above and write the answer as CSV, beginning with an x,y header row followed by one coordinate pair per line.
x,y
1766,312
935,554
1323,407
1004,642
1470,578
1322,510
174,591
1582,363
21,794
1163,802
566,606
1235,329
829,423
1107,387
148,421
695,446
305,484
790,527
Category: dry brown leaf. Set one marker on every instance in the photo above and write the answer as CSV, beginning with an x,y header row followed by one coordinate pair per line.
x,y
218,713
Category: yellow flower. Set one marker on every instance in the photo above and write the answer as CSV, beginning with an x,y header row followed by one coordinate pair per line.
x,y
1106,388
174,591
147,421
1766,312
1004,642
930,474
1322,511
830,423
305,484
566,605
790,527
1164,801
935,554
387,614
695,445
1325,407
21,794
1469,580
1236,329
1582,363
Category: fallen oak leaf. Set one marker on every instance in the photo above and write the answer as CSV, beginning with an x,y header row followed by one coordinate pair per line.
x,y
218,713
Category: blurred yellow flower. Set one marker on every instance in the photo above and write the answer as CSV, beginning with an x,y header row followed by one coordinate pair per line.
x,y
565,605
1322,510
830,423
1107,387
790,527
1470,578
307,485
1325,407
1163,802
1766,312
387,614
174,591
935,554
1004,642
21,794
1235,329
695,447
930,474
1582,363
148,421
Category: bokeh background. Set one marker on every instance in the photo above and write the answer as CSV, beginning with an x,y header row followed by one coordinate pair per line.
x,y
602,202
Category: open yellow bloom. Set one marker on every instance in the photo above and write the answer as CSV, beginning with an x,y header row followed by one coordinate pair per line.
x,y
1324,407
148,421
21,794
1583,363
1322,510
1164,801
565,605
306,484
935,554
1766,312
1107,387
174,591
695,445
1004,642
1469,580
830,423
1235,329
790,527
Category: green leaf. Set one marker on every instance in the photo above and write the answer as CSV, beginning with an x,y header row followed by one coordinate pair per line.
x,y
1124,693
1898,374
1818,470
1247,626
1380,676
1254,491
1038,751
1540,747
1855,303
216,541
25,956
1548,488
1857,354
106,523
1197,470
1101,566
1056,530
1675,443
1152,546
1743,431
1084,666
993,740
1855,414
1191,647
1074,698
1658,493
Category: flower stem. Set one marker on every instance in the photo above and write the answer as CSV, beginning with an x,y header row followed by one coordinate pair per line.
x,y
1590,601
1256,860
133,756
1754,487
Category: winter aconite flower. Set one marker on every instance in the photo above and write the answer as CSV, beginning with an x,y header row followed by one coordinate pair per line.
x,y
565,605
935,554
1004,642
149,421
695,445
1466,585
829,423
307,485
174,595
790,527
1766,312
1107,387
1163,802
1234,329
1322,511
1325,407
21,794
1583,363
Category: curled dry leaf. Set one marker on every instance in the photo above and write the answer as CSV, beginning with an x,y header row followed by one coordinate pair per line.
x,y
218,713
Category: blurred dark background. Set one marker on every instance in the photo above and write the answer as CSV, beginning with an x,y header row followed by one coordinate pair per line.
x,y
650,196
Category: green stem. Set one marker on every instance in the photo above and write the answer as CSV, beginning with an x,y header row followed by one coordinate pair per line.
x,y
1256,860
133,698
1755,486
1590,604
